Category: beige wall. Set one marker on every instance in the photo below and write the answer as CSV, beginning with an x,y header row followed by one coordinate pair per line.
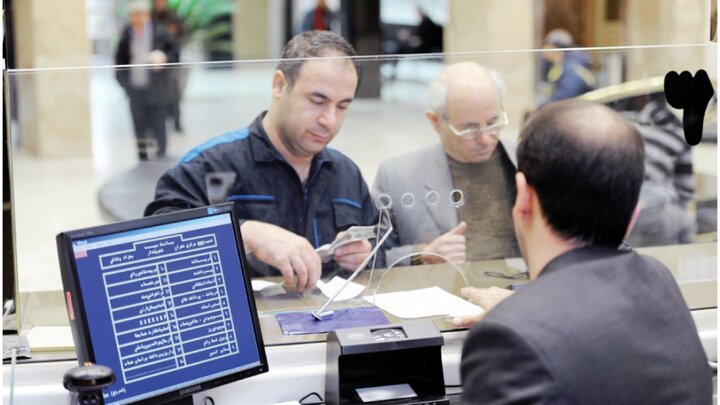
x,y
54,107
605,33
495,26
663,22
250,30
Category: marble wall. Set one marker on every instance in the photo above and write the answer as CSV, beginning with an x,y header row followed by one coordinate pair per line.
x,y
497,26
51,34
663,22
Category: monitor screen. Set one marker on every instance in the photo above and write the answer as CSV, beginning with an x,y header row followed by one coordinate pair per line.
x,y
164,301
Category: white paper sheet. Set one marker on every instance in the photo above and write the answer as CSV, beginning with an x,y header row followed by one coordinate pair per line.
x,y
516,263
42,338
329,289
386,392
433,301
259,285
268,288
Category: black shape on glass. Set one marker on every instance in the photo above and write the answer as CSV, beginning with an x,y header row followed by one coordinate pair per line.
x,y
691,94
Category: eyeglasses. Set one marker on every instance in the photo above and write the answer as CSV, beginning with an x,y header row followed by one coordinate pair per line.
x,y
517,276
477,131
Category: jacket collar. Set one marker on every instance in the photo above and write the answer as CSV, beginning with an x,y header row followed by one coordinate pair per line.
x,y
264,151
510,150
578,255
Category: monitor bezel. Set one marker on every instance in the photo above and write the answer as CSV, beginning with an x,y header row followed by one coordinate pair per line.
x,y
74,298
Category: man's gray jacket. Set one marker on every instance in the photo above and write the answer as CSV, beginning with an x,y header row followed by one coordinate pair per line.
x,y
425,175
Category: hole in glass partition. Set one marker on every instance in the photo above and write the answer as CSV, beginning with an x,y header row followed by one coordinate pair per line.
x,y
408,200
432,198
457,198
383,202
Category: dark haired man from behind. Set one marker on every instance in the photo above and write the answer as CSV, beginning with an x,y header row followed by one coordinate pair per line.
x,y
597,325
293,193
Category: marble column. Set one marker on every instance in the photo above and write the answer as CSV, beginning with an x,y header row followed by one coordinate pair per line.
x,y
53,106
250,29
665,22
489,29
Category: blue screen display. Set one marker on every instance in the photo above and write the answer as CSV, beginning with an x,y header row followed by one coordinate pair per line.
x,y
166,306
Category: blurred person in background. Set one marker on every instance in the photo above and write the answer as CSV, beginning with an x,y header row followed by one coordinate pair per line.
x,y
669,185
430,34
320,17
170,21
568,73
147,87
162,14
426,37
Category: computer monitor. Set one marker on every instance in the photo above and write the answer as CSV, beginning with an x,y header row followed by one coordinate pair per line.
x,y
165,302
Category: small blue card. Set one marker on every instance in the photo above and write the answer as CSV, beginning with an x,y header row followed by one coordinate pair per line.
x,y
300,323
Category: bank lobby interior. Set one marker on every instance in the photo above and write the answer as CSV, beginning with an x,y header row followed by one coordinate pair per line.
x,y
70,158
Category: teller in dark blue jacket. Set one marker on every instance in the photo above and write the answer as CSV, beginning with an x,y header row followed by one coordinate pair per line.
x,y
294,194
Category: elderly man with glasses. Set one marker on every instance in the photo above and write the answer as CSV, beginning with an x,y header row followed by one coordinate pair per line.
x,y
454,199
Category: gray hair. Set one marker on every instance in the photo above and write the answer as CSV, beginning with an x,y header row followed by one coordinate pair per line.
x,y
138,6
559,38
439,92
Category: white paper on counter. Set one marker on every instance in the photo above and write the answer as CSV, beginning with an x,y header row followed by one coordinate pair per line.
x,y
259,285
516,263
352,290
433,301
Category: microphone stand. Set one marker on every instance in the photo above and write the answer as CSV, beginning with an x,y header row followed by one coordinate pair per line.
x,y
319,314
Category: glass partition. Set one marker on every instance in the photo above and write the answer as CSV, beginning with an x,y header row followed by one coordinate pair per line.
x,y
76,162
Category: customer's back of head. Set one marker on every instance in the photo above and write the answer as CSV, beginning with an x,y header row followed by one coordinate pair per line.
x,y
596,325
586,164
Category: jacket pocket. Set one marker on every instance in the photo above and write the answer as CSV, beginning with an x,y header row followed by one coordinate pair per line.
x,y
347,213
256,206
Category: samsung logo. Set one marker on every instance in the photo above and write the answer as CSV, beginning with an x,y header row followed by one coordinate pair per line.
x,y
190,390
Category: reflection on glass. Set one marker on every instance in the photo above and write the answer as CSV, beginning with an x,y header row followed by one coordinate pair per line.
x,y
75,164
669,189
